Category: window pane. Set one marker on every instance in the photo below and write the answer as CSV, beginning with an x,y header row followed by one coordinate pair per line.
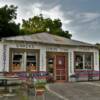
x,y
78,61
88,60
17,57
31,62
83,60
31,58
17,62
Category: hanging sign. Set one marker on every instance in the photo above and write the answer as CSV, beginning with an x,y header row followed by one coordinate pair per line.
x,y
25,45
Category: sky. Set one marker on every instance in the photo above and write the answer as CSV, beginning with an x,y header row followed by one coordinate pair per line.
x,y
80,17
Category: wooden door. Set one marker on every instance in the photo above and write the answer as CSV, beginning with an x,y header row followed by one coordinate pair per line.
x,y
60,72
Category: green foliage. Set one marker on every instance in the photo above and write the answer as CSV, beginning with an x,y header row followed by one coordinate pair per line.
x,y
7,25
37,24
40,24
33,25
40,85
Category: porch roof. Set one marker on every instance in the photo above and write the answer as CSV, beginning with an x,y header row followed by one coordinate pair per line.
x,y
47,39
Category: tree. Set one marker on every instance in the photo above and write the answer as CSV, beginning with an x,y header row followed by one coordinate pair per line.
x,y
40,24
8,27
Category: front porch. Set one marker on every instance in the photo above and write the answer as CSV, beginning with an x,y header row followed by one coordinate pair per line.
x,y
60,65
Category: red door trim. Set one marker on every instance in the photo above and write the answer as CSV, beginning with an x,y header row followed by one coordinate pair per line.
x,y
65,68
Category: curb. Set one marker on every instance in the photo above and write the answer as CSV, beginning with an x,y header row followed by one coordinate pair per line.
x,y
55,93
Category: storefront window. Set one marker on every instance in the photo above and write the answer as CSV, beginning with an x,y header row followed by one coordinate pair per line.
x,y
31,61
79,61
50,65
83,60
17,61
24,60
88,61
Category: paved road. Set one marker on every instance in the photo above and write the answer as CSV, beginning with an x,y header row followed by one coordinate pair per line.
x,y
77,91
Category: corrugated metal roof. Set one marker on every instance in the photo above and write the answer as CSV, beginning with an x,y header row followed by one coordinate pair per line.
x,y
47,38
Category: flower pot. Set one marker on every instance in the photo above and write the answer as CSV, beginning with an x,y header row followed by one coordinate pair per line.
x,y
40,91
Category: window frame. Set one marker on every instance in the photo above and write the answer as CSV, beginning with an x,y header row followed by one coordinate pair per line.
x,y
24,53
84,54
32,54
16,61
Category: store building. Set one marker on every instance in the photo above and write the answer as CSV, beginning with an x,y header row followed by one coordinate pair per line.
x,y
45,52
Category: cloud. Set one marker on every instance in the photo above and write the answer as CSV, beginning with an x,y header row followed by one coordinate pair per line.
x,y
37,8
89,16
27,9
85,26
80,17
53,13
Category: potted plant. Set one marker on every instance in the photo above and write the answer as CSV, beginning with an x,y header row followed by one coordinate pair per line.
x,y
40,88
33,68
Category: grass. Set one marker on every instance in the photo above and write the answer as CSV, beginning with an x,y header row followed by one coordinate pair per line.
x,y
22,94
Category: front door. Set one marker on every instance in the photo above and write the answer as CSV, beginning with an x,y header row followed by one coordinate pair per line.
x,y
60,72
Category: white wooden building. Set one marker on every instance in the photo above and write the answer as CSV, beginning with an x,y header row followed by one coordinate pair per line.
x,y
45,52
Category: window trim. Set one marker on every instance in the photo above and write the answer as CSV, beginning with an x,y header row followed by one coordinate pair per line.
x,y
84,60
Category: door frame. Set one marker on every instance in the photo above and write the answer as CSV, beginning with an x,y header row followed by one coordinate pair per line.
x,y
53,55
66,67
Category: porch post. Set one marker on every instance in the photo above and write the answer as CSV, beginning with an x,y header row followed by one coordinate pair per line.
x,y
1,58
96,60
70,63
6,58
42,59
